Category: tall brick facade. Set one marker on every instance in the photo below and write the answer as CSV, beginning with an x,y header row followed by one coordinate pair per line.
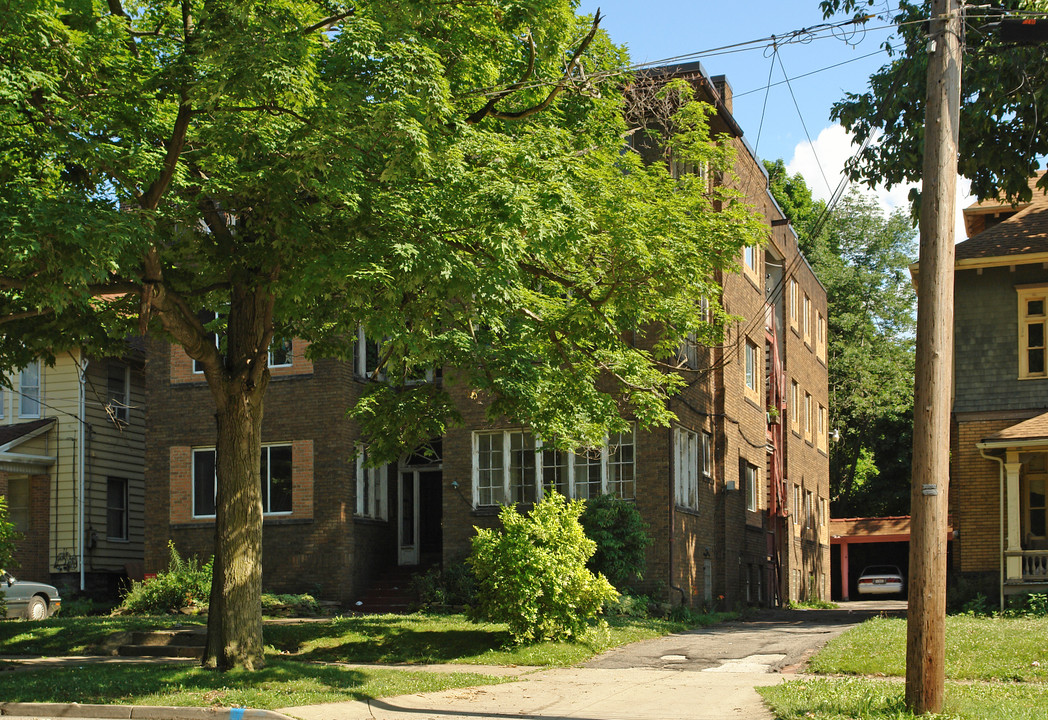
x,y
730,542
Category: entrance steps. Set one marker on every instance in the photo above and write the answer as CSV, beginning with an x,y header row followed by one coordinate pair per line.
x,y
159,643
390,593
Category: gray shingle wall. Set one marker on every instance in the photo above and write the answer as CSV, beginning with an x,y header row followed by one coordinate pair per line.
x,y
986,349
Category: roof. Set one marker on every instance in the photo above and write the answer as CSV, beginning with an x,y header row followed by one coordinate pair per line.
x,y
9,434
1032,430
875,529
1024,233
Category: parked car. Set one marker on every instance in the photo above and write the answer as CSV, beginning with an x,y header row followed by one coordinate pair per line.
x,y
29,600
880,580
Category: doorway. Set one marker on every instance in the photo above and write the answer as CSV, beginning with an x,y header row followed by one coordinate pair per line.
x,y
419,516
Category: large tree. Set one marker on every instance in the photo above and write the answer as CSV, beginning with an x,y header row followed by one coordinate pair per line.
x,y
861,257
1002,103
446,176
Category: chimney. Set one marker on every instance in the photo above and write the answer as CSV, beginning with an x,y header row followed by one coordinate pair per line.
x,y
720,82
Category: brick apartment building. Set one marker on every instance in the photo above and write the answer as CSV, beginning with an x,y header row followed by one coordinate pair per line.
x,y
735,493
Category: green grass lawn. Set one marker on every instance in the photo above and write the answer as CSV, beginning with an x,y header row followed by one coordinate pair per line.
x,y
282,683
1001,665
299,657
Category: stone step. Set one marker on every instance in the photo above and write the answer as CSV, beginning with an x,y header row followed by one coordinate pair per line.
x,y
176,651
190,638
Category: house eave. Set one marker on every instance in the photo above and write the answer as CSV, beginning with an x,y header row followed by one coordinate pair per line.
x,y
23,463
1004,444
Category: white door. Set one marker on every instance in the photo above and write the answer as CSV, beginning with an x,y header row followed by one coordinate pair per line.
x,y
407,517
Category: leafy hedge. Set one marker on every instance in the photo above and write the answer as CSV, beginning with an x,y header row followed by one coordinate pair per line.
x,y
186,583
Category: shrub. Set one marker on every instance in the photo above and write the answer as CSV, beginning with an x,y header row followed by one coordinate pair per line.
x,y
621,536
532,575
290,605
8,537
185,584
453,585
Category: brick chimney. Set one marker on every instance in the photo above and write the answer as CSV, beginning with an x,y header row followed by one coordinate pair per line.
x,y
720,82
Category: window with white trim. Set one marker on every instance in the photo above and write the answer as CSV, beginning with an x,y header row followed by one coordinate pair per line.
x,y
796,504
29,380
116,508
512,466
707,455
752,371
820,336
208,317
795,406
822,436
275,465
806,320
366,356
792,302
809,509
751,261
1033,331
118,390
686,468
18,502
280,353
749,480
809,416
372,489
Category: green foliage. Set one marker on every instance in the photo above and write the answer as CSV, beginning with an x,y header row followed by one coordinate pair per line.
x,y
297,605
532,575
186,583
1002,105
9,538
862,259
452,585
621,537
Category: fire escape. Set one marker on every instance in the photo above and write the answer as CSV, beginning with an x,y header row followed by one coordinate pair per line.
x,y
778,509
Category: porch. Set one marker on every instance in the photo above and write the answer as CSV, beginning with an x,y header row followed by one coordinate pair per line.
x,y
1031,575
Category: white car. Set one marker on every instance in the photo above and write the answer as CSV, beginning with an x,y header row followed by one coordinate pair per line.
x,y
881,580
29,600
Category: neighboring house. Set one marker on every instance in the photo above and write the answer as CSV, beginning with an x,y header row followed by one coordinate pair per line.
x,y
999,438
735,494
71,466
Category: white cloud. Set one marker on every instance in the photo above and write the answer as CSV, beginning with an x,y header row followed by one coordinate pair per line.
x,y
833,147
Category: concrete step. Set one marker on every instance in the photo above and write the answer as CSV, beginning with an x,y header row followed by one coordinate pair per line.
x,y
177,651
191,638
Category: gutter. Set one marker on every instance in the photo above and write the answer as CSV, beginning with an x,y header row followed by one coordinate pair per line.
x,y
1000,521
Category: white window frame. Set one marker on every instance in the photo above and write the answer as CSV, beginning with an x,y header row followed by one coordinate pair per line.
x,y
806,320
820,336
809,416
793,303
686,467
499,484
1028,346
118,403
372,499
796,504
198,369
752,370
750,481
809,509
265,449
822,436
123,509
31,396
289,345
707,455
795,408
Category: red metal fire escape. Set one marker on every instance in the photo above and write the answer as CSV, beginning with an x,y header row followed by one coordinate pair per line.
x,y
778,508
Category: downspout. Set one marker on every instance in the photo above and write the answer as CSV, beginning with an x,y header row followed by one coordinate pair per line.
x,y
1000,522
81,436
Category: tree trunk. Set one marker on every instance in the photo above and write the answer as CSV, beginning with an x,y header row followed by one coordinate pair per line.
x,y
234,624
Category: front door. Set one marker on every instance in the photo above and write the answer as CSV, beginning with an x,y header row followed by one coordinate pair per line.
x,y
420,507
407,517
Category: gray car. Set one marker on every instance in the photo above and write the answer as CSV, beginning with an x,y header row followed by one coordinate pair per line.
x,y
29,600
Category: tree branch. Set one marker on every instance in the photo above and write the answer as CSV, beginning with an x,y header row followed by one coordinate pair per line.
x,y
271,108
328,22
117,9
151,199
489,108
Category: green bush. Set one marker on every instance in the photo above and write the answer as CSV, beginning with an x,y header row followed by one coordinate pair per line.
x,y
186,583
8,537
532,575
621,536
453,585
296,605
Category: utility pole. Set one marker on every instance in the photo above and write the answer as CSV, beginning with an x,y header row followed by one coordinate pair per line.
x,y
925,639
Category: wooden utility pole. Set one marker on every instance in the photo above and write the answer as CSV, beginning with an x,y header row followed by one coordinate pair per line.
x,y
925,641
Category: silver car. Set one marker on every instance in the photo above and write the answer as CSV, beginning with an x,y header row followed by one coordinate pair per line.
x,y
881,580
29,600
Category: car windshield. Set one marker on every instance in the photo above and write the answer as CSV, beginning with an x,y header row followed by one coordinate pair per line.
x,y
881,570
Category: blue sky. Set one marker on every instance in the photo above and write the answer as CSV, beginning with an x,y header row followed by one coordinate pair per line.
x,y
779,121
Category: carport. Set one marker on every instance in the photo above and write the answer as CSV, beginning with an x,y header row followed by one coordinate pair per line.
x,y
856,537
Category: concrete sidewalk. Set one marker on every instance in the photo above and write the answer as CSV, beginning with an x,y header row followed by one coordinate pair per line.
x,y
577,693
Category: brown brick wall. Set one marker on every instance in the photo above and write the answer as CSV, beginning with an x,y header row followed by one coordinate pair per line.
x,y
31,550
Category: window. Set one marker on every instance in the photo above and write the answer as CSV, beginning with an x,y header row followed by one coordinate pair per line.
x,y
513,466
207,318
792,303
29,389
749,478
372,489
116,508
687,468
796,503
276,474
806,320
3,401
18,502
366,359
809,509
118,394
821,436
752,371
276,479
795,407
1033,319
707,455
1036,507
822,511
280,353
809,416
820,336
751,261
689,352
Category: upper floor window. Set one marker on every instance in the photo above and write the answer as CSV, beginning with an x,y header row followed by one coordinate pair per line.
x,y
280,354
511,466
806,320
809,416
749,480
118,391
207,317
372,489
794,408
686,470
791,300
1033,319
820,336
751,263
822,435
752,371
29,388
707,455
